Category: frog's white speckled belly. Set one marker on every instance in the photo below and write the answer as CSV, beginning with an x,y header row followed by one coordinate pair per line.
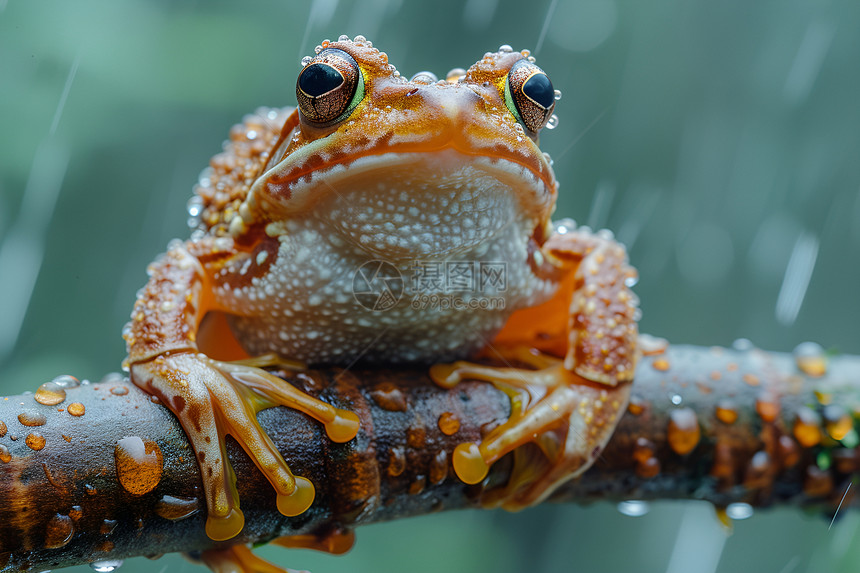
x,y
313,307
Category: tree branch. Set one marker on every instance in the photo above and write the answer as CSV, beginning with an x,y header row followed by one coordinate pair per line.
x,y
120,480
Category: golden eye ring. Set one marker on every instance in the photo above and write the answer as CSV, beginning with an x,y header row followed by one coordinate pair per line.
x,y
329,87
529,95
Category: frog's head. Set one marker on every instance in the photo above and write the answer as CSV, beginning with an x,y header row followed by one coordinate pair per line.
x,y
404,167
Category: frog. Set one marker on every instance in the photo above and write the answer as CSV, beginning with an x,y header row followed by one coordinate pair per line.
x,y
409,175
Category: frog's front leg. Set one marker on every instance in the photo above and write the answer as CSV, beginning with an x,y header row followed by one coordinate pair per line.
x,y
211,398
568,404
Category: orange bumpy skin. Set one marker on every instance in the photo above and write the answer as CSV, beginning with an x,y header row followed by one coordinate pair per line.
x,y
444,185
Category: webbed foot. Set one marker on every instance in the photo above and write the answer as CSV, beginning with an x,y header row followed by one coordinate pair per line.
x,y
212,399
568,418
567,405
240,558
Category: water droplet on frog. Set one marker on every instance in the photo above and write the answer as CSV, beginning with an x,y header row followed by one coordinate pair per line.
x,y
676,399
273,114
739,510
29,418
66,381
343,38
743,344
455,75
567,224
139,464
306,60
359,39
556,94
76,409
531,59
519,129
425,78
5,456
318,49
194,206
662,365
505,49
810,359
633,508
50,394
631,282
251,135
106,566
553,122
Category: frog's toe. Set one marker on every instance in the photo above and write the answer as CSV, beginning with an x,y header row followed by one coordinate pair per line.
x,y
212,399
340,425
563,421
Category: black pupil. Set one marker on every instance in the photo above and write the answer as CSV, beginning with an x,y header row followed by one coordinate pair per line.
x,y
317,79
539,89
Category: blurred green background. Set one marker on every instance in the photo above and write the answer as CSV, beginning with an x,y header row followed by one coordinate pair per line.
x,y
719,140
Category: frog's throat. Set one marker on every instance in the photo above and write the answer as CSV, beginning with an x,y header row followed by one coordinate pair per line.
x,y
274,196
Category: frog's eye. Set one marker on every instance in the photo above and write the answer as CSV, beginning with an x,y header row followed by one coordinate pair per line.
x,y
329,87
529,95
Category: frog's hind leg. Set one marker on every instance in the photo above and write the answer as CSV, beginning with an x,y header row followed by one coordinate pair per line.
x,y
212,399
567,404
240,559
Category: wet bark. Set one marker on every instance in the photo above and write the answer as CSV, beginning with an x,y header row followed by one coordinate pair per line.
x,y
106,473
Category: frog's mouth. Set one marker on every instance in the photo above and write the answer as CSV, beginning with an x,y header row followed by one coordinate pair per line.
x,y
400,205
